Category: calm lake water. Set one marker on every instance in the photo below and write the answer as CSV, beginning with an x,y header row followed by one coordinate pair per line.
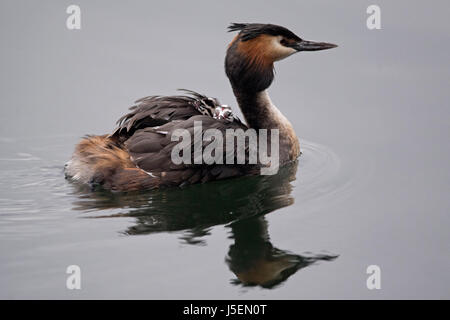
x,y
371,187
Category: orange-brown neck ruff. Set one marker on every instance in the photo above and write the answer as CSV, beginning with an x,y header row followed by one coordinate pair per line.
x,y
247,65
258,52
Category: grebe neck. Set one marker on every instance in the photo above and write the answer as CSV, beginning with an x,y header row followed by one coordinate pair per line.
x,y
260,113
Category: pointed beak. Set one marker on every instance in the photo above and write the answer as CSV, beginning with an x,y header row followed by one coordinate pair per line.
x,y
305,45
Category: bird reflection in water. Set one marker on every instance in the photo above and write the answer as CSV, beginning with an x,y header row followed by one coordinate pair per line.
x,y
255,261
240,204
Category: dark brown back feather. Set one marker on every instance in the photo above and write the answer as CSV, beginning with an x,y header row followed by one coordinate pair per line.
x,y
154,111
150,149
145,134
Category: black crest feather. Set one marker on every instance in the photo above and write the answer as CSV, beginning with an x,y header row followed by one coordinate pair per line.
x,y
237,26
250,31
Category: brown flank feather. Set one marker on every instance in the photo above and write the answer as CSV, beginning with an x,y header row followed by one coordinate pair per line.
x,y
100,160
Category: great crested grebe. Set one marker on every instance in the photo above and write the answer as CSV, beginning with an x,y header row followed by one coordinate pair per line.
x,y
137,155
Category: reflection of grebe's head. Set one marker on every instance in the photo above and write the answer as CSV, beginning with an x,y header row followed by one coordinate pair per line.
x,y
257,47
256,262
268,272
270,266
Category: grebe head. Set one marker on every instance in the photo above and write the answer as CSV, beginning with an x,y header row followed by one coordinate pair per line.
x,y
252,53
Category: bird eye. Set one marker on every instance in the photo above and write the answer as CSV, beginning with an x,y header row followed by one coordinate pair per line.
x,y
283,42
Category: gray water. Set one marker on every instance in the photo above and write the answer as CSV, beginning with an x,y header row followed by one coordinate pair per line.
x,y
371,187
